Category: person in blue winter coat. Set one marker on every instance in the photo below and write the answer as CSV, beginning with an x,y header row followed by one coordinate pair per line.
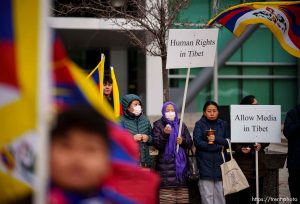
x,y
208,153
172,166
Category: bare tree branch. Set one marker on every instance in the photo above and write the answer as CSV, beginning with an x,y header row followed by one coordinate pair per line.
x,y
152,17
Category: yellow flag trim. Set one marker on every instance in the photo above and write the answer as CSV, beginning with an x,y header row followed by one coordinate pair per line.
x,y
89,88
255,5
100,68
116,95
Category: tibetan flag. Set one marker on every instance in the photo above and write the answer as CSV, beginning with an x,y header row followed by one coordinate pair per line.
x,y
97,75
126,179
9,82
20,56
116,95
282,18
71,86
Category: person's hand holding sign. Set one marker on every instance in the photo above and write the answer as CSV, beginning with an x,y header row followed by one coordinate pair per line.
x,y
257,146
179,140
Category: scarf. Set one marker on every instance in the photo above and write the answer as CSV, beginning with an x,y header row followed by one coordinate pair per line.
x,y
170,149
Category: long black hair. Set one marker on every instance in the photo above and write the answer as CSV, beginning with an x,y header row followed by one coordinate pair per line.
x,y
247,100
210,103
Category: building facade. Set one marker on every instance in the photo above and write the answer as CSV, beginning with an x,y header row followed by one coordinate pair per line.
x,y
259,67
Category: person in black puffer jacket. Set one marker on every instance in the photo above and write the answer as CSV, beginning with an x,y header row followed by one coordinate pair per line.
x,y
208,153
171,166
291,131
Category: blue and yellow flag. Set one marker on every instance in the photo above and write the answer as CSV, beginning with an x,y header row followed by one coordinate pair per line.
x,y
97,74
19,58
281,17
71,86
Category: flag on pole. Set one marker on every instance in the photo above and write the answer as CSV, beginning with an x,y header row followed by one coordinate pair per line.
x,y
282,18
20,57
116,95
9,89
72,87
127,178
97,75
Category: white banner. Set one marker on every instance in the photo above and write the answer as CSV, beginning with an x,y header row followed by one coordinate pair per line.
x,y
255,123
188,48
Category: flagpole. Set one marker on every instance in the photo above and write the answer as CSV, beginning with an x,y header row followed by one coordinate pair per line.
x,y
257,176
183,104
43,104
115,90
101,76
215,79
92,72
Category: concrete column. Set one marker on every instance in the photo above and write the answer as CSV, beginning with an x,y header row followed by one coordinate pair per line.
x,y
154,85
216,80
141,73
119,60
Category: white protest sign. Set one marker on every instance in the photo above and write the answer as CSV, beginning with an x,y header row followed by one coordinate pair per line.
x,y
189,48
255,123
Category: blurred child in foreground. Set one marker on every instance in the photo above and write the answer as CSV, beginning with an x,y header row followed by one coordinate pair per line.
x,y
82,168
79,156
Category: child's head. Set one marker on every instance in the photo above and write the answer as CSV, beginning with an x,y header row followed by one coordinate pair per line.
x,y
211,110
79,152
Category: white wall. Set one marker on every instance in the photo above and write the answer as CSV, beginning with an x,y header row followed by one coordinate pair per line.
x,y
118,59
154,85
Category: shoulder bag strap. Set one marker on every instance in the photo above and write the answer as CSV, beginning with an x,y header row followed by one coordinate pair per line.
x,y
230,150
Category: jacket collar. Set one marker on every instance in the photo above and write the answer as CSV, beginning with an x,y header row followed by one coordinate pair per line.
x,y
210,122
131,116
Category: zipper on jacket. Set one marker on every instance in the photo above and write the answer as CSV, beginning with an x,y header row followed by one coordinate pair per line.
x,y
214,166
140,143
137,125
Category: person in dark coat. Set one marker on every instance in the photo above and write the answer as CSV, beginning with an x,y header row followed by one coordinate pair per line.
x,y
171,166
208,153
291,131
138,125
245,157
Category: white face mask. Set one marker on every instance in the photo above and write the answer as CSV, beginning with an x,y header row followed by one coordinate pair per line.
x,y
170,115
137,110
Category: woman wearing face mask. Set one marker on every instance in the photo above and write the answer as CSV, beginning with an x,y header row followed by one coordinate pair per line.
x,y
172,166
210,135
138,125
